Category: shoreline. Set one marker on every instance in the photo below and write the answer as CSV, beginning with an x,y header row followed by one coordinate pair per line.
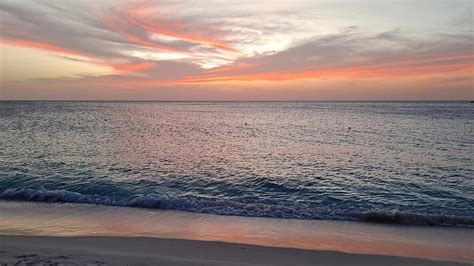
x,y
154,202
144,250
28,224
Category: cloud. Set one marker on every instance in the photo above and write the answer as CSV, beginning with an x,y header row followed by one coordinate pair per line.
x,y
162,44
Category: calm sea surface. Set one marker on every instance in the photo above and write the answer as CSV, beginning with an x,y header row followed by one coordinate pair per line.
x,y
409,163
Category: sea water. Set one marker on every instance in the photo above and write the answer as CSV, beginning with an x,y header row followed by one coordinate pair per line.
x,y
400,162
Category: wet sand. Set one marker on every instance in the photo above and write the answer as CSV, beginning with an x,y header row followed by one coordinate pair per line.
x,y
91,234
23,250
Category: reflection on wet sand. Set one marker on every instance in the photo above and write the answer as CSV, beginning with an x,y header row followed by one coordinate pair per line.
x,y
354,237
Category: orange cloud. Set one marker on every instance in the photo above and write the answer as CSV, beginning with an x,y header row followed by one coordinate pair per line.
x,y
423,61
417,71
183,36
74,54
133,67
119,26
138,14
43,46
371,71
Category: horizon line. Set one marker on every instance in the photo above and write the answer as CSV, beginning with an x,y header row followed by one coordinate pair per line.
x,y
230,101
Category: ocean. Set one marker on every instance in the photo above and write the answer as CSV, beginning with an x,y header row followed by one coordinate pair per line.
x,y
397,162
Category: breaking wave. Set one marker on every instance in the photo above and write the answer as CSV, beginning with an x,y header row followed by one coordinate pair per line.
x,y
224,207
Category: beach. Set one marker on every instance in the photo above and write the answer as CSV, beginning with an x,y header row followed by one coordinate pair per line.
x,y
21,250
288,183
92,234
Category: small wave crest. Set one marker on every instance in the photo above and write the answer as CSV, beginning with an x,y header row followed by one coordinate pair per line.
x,y
223,207
397,217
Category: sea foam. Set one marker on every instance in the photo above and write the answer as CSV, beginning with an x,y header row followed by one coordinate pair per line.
x,y
222,207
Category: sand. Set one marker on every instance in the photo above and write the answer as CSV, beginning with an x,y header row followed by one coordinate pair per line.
x,y
22,250
82,234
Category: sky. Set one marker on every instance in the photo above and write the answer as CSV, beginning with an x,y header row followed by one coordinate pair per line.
x,y
237,50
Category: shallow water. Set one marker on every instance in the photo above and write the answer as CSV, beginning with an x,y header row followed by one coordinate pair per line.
x,y
399,162
70,219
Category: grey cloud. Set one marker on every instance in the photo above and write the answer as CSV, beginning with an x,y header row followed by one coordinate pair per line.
x,y
339,50
68,27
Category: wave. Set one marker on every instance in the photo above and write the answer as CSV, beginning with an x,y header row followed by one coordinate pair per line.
x,y
223,207
397,217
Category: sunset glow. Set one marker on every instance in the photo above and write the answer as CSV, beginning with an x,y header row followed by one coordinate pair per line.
x,y
227,50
